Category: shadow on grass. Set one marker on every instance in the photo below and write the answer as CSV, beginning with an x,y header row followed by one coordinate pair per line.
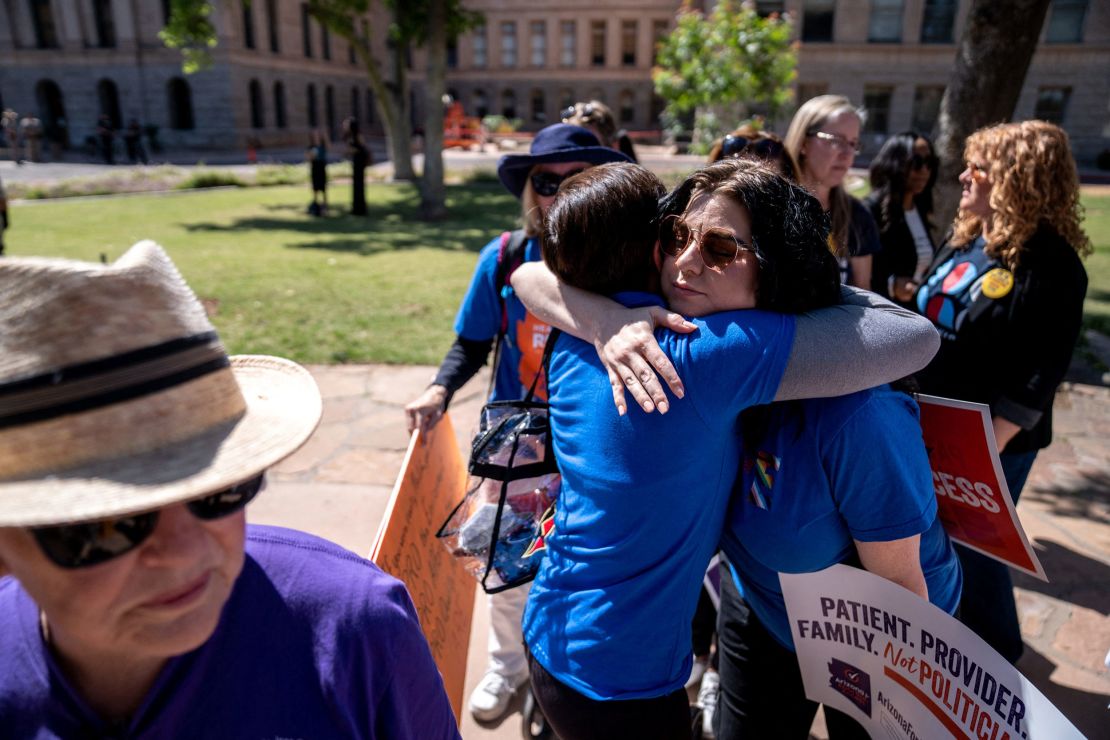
x,y
476,214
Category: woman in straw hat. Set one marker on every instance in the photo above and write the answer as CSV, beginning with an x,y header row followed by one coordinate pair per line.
x,y
134,600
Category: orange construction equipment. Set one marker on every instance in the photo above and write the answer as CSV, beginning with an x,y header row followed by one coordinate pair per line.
x,y
460,130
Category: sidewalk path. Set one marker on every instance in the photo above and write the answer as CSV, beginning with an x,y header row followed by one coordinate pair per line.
x,y
338,484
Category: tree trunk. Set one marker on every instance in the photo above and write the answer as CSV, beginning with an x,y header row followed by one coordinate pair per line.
x,y
433,193
993,56
400,134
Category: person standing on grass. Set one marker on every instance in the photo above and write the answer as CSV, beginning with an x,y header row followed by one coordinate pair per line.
x,y
106,134
360,158
493,318
133,140
317,156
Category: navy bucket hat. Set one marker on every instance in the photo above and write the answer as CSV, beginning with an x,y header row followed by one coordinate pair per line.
x,y
560,142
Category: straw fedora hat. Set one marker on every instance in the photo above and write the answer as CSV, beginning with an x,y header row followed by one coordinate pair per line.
x,y
116,395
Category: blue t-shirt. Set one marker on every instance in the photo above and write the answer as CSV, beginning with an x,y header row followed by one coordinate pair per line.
x,y
832,470
479,319
313,642
642,503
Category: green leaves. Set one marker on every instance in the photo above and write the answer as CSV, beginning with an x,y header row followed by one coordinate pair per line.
x,y
730,57
190,29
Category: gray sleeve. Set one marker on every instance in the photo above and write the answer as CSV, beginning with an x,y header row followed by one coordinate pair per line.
x,y
863,342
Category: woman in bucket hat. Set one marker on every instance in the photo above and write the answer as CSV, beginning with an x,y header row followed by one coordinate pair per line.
x,y
491,318
134,600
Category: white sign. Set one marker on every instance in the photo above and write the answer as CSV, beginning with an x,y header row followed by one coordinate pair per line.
x,y
905,669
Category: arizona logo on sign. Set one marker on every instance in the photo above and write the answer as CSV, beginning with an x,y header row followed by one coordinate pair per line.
x,y
974,504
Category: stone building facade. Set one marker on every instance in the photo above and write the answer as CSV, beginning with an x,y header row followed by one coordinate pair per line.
x,y
276,73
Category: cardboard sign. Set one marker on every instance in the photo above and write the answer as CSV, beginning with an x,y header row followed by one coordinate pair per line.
x,y
905,669
975,506
431,481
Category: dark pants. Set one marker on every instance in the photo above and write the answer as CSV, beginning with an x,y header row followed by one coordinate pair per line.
x,y
762,695
987,606
574,716
704,625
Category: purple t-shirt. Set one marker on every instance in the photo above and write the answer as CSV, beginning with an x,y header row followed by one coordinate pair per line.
x,y
314,642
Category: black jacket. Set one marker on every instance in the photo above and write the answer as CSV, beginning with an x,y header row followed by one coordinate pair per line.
x,y
898,257
1015,352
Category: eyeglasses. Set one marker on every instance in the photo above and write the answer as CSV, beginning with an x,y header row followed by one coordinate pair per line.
x,y
732,146
978,171
836,140
719,248
917,161
584,111
547,183
81,545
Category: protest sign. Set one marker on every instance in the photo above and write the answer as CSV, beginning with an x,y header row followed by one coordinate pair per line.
x,y
432,479
904,668
974,504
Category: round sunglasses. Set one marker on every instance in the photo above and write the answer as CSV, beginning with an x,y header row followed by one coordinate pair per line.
x,y
547,183
733,146
72,546
719,248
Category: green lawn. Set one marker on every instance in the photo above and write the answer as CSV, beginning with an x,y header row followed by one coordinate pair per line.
x,y
337,289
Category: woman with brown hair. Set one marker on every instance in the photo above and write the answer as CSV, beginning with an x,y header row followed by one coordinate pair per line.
x,y
1006,294
823,139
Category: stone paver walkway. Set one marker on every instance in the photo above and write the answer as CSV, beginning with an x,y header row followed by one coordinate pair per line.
x,y
337,486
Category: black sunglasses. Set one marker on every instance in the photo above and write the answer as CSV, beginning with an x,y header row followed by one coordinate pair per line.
x,y
547,183
81,545
917,161
719,248
732,146
571,111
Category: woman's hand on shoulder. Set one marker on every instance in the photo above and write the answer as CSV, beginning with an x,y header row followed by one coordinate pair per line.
x,y
632,357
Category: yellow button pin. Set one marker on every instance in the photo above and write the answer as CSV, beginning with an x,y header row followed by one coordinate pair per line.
x,y
997,283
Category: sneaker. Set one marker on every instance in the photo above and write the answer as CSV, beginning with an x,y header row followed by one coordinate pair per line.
x,y
491,697
708,694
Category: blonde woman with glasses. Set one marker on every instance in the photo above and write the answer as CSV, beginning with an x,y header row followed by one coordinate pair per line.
x,y
823,139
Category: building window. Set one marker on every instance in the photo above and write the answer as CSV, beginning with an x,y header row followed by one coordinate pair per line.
x,y
568,43
310,104
258,116
453,54
808,90
356,112
167,11
180,100
538,34
818,17
926,108
597,43
481,103
627,106
272,25
42,16
105,24
325,39
539,107
107,95
628,43
329,110
937,21
351,59
765,8
52,108
876,101
508,104
248,23
1052,104
279,105
1065,21
480,55
659,30
508,44
886,21
658,105
306,30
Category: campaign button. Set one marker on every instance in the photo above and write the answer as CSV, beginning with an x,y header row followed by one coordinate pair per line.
x,y
997,283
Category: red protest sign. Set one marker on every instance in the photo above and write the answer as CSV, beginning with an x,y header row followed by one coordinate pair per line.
x,y
974,503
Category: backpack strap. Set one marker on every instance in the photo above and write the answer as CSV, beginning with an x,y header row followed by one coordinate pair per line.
x,y
545,363
509,257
